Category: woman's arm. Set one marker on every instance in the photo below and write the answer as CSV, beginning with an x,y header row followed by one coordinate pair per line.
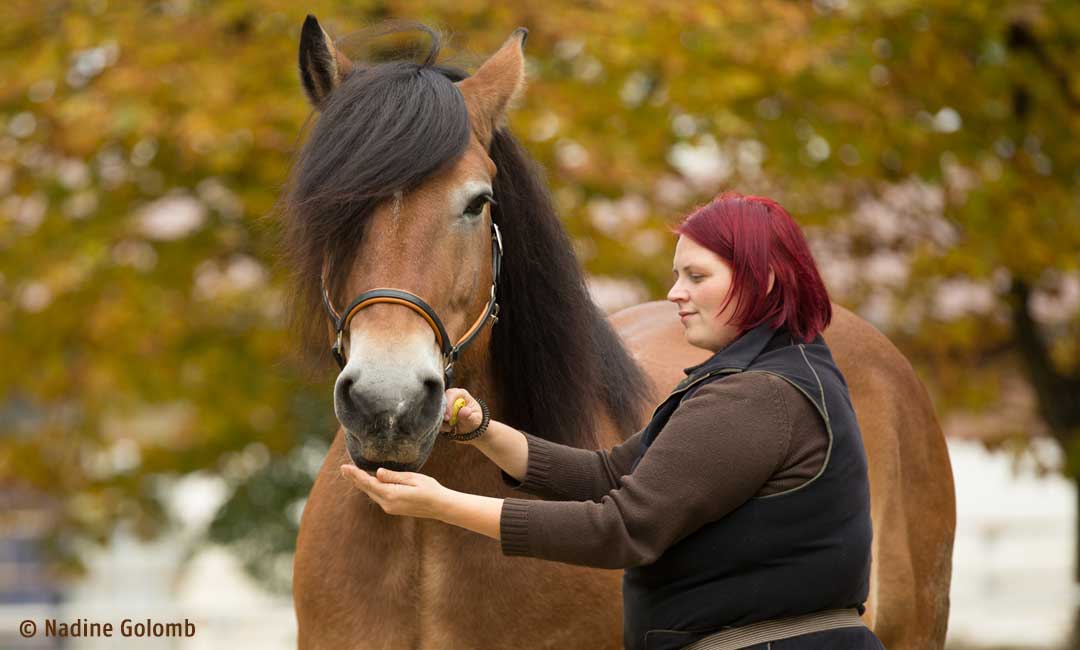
x,y
506,447
541,467
563,473
718,449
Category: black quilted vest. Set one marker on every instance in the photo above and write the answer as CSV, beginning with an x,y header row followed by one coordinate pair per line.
x,y
797,552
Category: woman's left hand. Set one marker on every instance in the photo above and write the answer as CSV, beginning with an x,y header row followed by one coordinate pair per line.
x,y
400,493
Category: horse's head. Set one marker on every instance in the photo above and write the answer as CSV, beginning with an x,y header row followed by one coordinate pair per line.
x,y
392,191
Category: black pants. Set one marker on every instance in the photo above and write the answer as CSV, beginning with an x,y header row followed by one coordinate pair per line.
x,y
848,638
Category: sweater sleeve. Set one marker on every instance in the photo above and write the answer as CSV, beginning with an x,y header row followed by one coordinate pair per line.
x,y
716,451
563,473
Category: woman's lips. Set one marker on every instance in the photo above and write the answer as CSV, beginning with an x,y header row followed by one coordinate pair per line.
x,y
683,317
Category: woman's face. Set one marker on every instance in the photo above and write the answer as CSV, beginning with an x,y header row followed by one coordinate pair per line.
x,y
702,282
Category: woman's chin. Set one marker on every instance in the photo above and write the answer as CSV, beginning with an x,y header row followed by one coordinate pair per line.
x,y
698,342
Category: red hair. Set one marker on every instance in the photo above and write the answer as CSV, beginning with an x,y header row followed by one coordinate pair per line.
x,y
754,234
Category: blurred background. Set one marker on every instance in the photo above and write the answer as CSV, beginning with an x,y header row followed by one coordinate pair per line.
x,y
158,436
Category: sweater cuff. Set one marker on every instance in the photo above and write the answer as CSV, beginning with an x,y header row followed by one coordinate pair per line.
x,y
514,527
537,467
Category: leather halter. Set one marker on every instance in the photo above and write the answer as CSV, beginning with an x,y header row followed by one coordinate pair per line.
x,y
450,353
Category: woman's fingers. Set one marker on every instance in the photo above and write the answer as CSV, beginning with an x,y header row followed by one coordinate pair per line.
x,y
466,419
357,476
397,493
370,486
452,395
469,415
350,472
380,482
390,476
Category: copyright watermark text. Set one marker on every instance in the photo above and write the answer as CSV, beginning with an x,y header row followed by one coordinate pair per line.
x,y
128,628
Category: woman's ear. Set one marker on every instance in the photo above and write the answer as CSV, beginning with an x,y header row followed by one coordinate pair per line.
x,y
772,281
322,67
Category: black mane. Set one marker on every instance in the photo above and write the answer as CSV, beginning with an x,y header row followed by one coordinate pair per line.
x,y
388,127
555,355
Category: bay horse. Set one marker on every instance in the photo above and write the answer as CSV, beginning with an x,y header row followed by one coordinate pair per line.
x,y
396,189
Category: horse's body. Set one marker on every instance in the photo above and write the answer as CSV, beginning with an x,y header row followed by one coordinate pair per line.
x,y
364,579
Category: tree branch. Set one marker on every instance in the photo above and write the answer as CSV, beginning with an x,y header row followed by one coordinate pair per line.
x,y
1021,37
1058,394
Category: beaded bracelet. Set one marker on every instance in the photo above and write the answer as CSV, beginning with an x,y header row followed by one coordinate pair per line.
x,y
475,433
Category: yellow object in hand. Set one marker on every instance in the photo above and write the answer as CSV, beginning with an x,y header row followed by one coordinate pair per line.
x,y
458,404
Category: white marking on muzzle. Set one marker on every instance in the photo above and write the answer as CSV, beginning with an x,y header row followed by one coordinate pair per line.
x,y
397,360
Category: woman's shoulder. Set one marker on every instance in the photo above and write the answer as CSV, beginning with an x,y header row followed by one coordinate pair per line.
x,y
755,392
749,384
776,411
748,394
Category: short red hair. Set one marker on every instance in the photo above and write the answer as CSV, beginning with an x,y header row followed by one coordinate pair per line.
x,y
754,234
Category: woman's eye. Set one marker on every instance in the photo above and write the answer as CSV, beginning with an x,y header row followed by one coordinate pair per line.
x,y
696,278
476,206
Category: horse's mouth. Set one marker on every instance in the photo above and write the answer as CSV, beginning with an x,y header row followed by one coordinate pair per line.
x,y
420,449
370,467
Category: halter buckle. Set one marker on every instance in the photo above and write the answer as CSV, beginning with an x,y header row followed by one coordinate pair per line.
x,y
339,356
498,236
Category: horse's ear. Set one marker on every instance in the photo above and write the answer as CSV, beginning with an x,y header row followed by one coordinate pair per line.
x,y
322,67
498,82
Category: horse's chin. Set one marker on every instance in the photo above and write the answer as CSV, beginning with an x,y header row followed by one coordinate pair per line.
x,y
392,461
370,466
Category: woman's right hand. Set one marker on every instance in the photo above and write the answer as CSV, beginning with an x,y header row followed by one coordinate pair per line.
x,y
468,418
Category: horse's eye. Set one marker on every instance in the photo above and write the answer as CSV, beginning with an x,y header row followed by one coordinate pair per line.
x,y
476,206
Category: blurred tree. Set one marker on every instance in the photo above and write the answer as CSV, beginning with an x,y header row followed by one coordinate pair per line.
x,y
926,146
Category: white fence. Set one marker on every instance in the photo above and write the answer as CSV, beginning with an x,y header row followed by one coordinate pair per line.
x,y
1013,560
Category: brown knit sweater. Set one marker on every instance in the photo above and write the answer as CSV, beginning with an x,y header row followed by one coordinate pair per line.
x,y
744,436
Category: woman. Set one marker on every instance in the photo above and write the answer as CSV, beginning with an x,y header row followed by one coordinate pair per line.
x,y
741,512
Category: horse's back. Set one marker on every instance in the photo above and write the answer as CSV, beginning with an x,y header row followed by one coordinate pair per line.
x,y
911,484
913,503
653,334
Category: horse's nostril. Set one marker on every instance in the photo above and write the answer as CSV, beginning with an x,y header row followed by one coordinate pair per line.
x,y
344,388
346,397
432,386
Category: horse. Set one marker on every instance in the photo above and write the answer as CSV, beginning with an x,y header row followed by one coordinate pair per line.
x,y
411,191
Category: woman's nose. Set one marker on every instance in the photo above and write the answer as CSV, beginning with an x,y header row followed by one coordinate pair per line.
x,y
676,294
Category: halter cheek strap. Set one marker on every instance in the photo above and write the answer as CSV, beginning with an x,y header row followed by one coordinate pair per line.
x,y
450,353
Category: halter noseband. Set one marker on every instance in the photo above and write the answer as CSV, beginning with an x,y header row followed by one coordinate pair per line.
x,y
450,353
